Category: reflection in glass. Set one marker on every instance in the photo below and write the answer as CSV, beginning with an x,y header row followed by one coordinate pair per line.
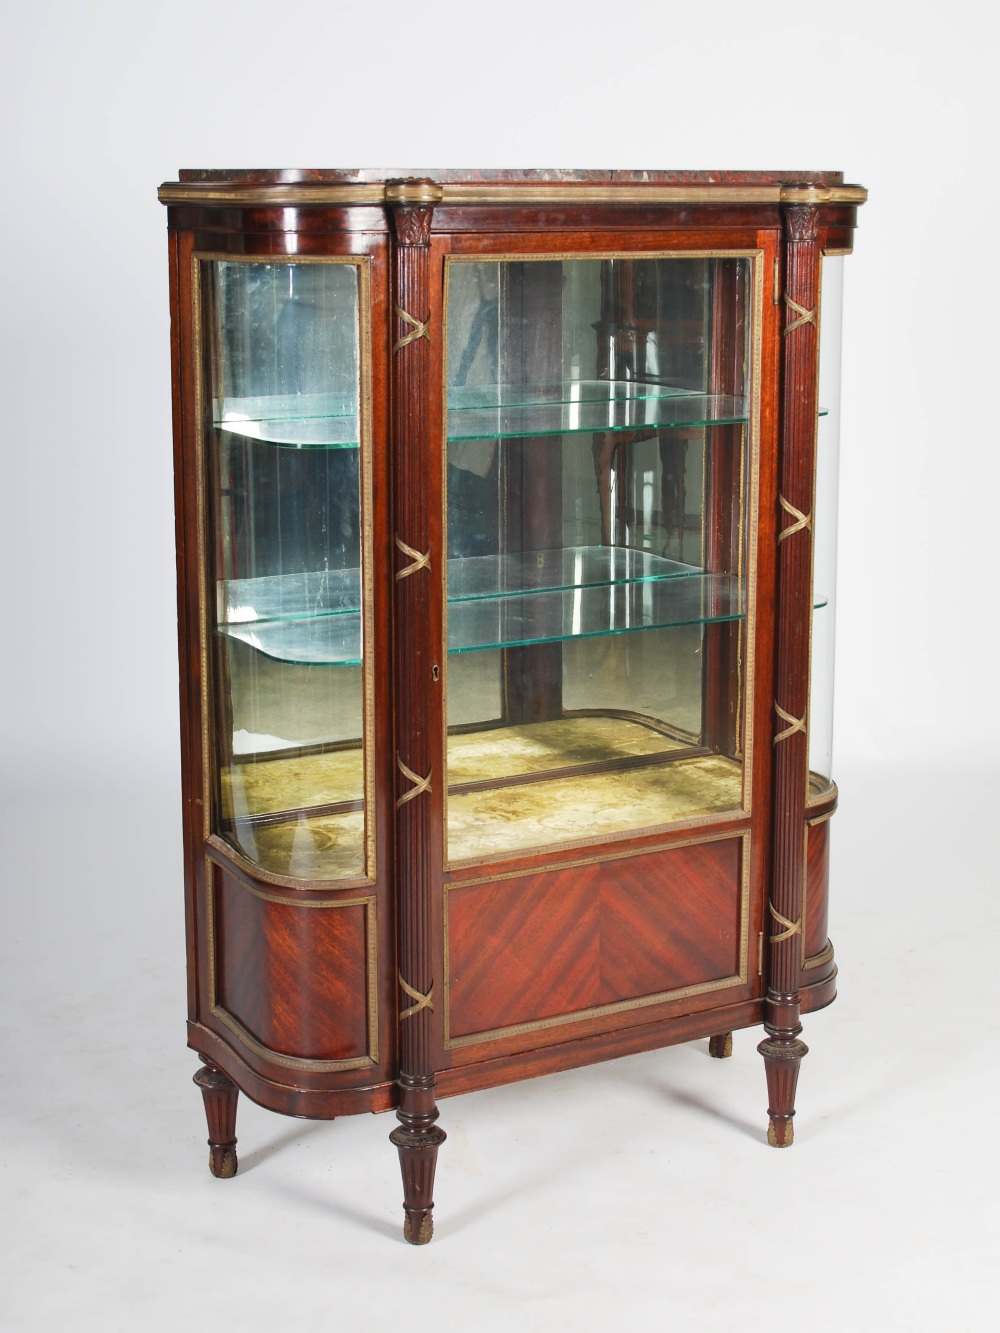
x,y
597,437
283,349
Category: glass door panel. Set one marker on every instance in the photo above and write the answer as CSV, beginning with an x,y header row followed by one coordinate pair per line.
x,y
285,459
597,459
825,532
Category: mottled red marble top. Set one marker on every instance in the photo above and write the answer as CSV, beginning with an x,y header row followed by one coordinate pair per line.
x,y
452,176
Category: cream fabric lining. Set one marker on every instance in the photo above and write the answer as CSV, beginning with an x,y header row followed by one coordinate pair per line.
x,y
572,809
485,822
306,846
508,751
317,847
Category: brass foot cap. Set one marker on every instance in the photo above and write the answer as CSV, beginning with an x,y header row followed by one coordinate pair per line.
x,y
785,1129
424,1233
224,1165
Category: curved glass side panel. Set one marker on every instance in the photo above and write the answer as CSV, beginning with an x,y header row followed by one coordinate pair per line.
x,y
597,471
282,346
825,531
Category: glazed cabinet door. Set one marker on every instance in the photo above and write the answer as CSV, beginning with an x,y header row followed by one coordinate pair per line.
x,y
601,485
289,565
295,911
821,798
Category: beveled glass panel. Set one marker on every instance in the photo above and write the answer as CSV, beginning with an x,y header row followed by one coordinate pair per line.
x,y
284,455
598,427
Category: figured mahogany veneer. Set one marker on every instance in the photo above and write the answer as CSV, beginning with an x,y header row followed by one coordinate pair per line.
x,y
423,977
817,951
817,887
297,977
593,937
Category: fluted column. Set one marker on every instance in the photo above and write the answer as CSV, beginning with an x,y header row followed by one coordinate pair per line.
x,y
782,1050
415,353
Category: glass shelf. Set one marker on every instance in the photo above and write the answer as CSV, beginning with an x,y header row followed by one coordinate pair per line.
x,y
332,592
494,601
324,592
326,421
294,421
578,613
476,577
589,406
513,620
331,640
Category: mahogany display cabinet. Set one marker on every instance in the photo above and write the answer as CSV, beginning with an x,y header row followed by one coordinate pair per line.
x,y
505,531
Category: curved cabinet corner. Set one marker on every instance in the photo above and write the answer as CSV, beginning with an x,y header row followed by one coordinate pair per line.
x,y
818,968
292,986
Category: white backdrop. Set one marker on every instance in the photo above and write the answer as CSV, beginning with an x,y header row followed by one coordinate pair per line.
x,y
105,100
101,102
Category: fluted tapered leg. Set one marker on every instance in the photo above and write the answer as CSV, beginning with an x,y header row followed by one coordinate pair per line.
x,y
418,1138
781,1065
220,1095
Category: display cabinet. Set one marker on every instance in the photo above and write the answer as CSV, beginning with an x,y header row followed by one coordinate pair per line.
x,y
505,677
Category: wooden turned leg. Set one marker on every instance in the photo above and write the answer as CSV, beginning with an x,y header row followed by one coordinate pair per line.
x,y
417,1138
720,1047
782,1058
220,1095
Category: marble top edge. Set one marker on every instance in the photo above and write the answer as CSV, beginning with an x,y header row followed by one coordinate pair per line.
x,y
540,176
